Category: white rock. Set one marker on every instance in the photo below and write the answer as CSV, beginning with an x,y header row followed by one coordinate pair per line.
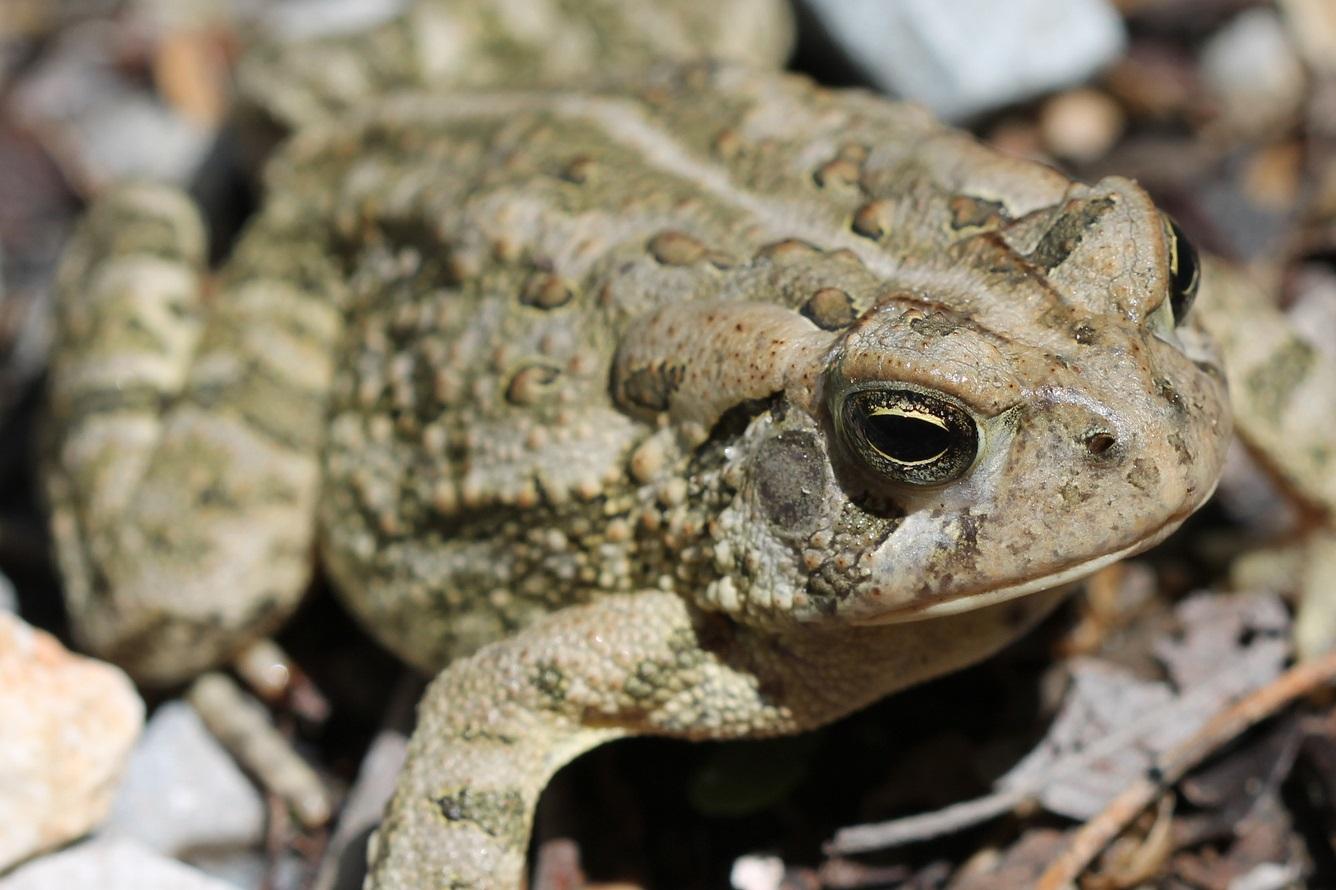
x,y
1312,24
1254,70
344,863
1081,125
183,792
99,124
967,56
754,872
306,19
67,725
112,864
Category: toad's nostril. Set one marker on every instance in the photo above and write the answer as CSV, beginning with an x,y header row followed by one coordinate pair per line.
x,y
1098,442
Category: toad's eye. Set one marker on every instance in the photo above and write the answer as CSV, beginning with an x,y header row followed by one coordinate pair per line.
x,y
1184,271
910,436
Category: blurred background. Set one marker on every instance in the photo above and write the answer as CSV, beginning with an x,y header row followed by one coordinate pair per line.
x,y
1225,110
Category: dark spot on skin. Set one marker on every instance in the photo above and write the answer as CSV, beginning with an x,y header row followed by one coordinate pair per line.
x,y
969,531
1169,394
829,309
963,551
1180,448
878,504
547,291
840,171
551,681
788,250
1072,495
646,679
1144,475
1063,237
791,482
501,814
579,170
970,212
673,248
934,324
873,219
531,384
650,387
474,734
989,252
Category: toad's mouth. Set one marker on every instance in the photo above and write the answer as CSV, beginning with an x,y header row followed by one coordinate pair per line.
x,y
968,602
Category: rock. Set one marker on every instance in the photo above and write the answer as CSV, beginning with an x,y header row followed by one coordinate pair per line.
x,y
67,725
1081,125
344,863
757,872
1253,70
286,870
308,19
183,792
100,123
1312,24
112,864
1313,305
968,56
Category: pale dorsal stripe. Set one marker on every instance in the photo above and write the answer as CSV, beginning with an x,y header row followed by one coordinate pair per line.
x,y
627,124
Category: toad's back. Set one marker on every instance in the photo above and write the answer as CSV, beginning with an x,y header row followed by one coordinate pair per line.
x,y
480,469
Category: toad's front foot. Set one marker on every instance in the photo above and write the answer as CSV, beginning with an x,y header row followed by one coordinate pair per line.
x,y
494,727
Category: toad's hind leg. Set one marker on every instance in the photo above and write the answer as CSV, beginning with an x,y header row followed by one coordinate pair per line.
x,y
182,443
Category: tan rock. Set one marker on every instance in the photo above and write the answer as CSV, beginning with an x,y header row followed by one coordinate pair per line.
x,y
67,724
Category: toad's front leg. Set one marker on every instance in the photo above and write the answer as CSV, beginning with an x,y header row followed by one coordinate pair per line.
x,y
494,727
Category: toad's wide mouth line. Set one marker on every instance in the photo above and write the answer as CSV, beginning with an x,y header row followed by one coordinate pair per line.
x,y
1068,575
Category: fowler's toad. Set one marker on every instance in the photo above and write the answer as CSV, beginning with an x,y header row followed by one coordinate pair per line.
x,y
718,406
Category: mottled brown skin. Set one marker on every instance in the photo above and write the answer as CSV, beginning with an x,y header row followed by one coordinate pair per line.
x,y
454,44
582,357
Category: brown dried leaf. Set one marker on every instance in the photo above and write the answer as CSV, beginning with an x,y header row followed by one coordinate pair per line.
x,y
1113,725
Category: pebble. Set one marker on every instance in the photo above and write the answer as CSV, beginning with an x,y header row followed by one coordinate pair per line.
x,y
344,864
969,56
310,19
182,790
1081,125
101,124
1254,72
110,864
1312,24
1155,81
1312,305
67,725
757,872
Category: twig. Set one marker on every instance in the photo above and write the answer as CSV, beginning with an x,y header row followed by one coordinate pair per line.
x,y
242,724
898,832
1225,726
1014,793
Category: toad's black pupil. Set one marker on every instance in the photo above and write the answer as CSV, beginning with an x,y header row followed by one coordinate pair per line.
x,y
1184,273
906,439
